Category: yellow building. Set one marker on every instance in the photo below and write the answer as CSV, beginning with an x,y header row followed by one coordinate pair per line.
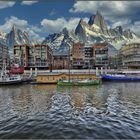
x,y
54,77
131,54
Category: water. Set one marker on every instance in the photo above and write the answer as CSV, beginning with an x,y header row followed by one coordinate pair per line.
x,y
111,110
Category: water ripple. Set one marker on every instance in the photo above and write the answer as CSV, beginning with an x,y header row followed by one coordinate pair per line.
x,y
39,111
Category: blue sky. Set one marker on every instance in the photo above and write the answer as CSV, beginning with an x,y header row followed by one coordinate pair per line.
x,y
40,18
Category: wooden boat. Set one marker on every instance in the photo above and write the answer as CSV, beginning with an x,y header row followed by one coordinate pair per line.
x,y
120,77
85,82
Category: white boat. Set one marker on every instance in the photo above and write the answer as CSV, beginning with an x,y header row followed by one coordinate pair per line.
x,y
7,79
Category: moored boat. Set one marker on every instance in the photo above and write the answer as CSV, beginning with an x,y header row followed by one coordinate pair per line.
x,y
120,77
8,80
85,82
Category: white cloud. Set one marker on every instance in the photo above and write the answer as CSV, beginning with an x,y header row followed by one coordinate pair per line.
x,y
118,13
53,12
21,24
5,4
122,22
111,9
58,24
9,22
128,24
34,35
29,2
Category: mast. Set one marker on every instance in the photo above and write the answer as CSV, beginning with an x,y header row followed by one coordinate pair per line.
x,y
3,72
69,63
69,60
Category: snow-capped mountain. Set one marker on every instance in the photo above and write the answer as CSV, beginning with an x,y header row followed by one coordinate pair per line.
x,y
17,37
60,42
2,37
96,30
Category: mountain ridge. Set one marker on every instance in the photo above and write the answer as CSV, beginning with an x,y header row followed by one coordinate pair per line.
x,y
95,30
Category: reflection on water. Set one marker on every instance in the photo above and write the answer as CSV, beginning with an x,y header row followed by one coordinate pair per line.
x,y
111,110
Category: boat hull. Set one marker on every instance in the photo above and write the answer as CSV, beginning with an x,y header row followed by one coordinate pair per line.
x,y
96,82
14,82
119,78
11,82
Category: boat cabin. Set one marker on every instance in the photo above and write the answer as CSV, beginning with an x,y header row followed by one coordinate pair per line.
x,y
54,77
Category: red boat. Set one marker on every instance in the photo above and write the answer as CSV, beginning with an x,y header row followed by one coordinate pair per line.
x,y
16,70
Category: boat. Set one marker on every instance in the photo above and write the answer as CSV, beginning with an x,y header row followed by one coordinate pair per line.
x,y
7,79
120,77
85,82
16,69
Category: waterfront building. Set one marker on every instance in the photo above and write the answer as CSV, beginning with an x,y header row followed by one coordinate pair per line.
x,y
89,55
100,54
60,61
114,61
88,52
33,56
131,54
43,56
21,54
78,55
119,59
4,55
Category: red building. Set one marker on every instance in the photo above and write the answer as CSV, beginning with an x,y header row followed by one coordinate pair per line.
x,y
100,54
60,61
78,55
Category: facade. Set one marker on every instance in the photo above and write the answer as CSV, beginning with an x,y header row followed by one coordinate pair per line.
x,y
88,52
33,56
43,56
131,54
4,55
100,54
89,56
114,61
21,55
60,61
78,55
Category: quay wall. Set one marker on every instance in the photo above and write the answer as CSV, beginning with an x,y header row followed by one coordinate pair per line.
x,y
82,71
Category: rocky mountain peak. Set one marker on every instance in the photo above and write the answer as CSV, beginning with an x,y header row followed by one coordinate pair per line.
x,y
13,28
17,37
100,22
65,31
81,20
91,20
119,30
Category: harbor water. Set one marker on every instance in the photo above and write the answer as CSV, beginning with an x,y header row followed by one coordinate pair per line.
x,y
111,110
